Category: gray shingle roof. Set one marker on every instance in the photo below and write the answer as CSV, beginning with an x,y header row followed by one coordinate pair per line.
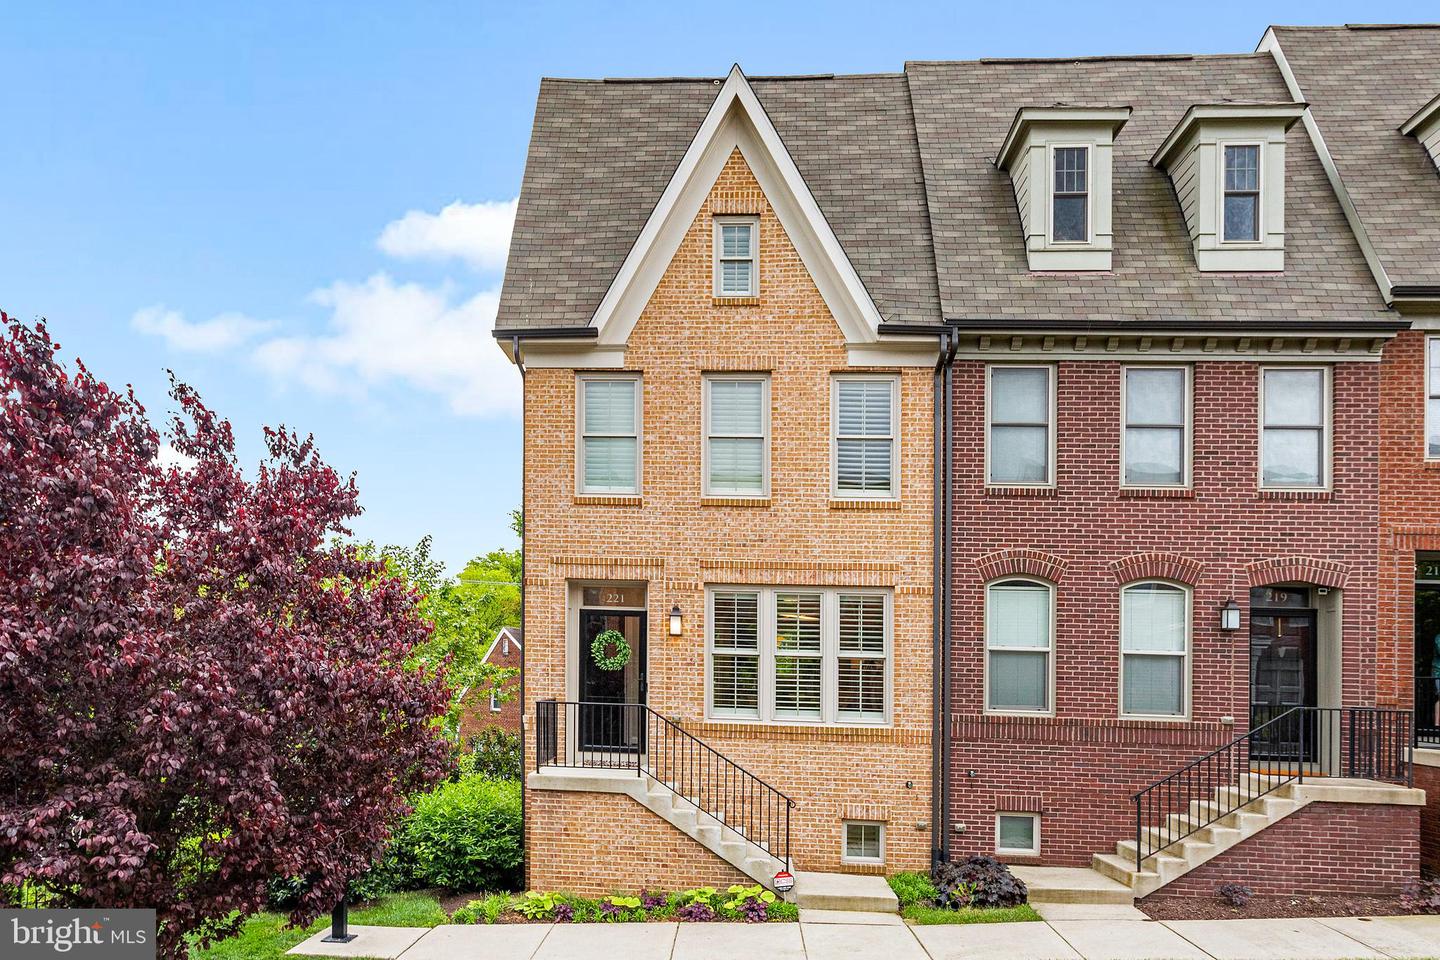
x,y
1362,84
962,113
889,158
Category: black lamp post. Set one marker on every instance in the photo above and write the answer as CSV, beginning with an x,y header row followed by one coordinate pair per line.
x,y
339,924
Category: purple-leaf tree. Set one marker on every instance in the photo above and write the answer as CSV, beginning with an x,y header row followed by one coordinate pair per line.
x,y
200,690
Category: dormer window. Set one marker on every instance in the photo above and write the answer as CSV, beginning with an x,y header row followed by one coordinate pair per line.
x,y
1242,193
1070,200
737,256
1059,161
1424,125
1227,161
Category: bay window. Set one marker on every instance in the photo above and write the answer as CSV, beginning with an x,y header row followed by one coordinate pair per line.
x,y
1154,650
799,654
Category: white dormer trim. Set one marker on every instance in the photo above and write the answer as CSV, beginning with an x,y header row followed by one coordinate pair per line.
x,y
737,120
1028,154
1194,157
1424,126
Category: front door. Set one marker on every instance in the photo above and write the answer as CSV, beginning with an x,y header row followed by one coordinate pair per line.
x,y
604,724
1282,670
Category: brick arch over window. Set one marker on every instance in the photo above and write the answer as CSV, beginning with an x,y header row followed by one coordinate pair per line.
x,y
1030,563
1322,573
1157,566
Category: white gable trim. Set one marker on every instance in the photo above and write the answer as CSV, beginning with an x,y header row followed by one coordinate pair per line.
x,y
737,119
503,632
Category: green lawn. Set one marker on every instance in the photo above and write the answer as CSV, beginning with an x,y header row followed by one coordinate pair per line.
x,y
924,916
265,937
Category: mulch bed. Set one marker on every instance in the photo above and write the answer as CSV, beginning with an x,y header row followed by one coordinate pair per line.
x,y
1206,908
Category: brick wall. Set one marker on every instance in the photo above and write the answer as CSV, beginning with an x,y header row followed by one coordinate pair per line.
x,y
477,714
1409,512
1087,536
600,843
1427,778
676,544
1322,849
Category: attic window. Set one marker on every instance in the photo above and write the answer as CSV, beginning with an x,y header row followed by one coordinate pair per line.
x,y
737,256
1069,221
1242,193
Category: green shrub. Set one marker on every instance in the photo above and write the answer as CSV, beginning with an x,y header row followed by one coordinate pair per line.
x,y
485,910
464,835
913,888
783,912
492,753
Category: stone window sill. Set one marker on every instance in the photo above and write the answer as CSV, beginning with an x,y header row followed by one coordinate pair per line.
x,y
734,501
1296,495
593,500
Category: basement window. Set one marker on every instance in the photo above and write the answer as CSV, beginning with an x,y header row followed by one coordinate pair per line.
x,y
1017,834
864,842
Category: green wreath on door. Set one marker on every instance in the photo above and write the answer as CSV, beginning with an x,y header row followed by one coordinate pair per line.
x,y
610,650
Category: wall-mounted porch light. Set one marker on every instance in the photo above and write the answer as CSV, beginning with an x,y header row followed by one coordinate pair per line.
x,y
677,622
1230,615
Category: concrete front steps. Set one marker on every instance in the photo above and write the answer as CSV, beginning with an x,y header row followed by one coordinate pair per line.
x,y
710,831
853,893
1177,857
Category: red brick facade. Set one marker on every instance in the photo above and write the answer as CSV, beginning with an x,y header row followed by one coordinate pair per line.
x,y
1427,778
480,710
1088,537
1325,849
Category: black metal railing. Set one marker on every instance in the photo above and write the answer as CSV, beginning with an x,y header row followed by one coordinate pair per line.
x,y
1282,746
631,736
1427,711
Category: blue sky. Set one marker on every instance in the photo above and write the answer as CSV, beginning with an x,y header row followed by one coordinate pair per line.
x,y
302,207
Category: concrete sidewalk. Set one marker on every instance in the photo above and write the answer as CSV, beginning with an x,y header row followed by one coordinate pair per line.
x,y
1071,935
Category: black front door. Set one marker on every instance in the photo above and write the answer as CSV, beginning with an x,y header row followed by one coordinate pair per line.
x,y
1427,648
1282,672
604,724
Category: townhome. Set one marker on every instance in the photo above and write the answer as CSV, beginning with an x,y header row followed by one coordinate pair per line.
x,y
728,326
985,458
1374,92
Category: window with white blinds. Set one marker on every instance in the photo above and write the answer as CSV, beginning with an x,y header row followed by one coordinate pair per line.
x,y
737,256
1019,643
737,435
864,416
609,426
1154,647
826,656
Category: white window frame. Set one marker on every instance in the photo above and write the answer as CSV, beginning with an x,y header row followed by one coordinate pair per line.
x,y
1187,445
754,258
894,492
1327,402
494,701
1033,850
710,651
1051,427
845,856
1432,391
1050,652
580,381
829,655
1089,149
1259,240
706,435
1186,672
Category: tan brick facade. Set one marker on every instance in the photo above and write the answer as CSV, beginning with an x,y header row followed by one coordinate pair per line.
x,y
676,542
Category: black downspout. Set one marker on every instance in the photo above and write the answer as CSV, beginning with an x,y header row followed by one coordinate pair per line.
x,y
524,766
947,420
940,667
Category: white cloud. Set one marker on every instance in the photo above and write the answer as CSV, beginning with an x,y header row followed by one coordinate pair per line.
x,y
381,332
222,332
478,233
168,456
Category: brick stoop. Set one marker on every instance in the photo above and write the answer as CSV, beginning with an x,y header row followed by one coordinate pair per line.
x,y
710,832
1194,849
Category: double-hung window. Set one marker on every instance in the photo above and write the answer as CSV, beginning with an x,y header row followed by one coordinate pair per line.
x,y
1432,398
788,654
1070,199
609,448
1019,646
1021,431
864,417
737,435
737,256
1241,196
1157,413
1295,417
1154,648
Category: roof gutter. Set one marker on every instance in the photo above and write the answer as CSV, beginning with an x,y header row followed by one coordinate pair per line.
x,y
1160,328
545,333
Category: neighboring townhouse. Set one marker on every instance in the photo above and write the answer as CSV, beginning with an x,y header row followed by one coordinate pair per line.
x,y
729,482
1374,94
498,708
984,458
1164,480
